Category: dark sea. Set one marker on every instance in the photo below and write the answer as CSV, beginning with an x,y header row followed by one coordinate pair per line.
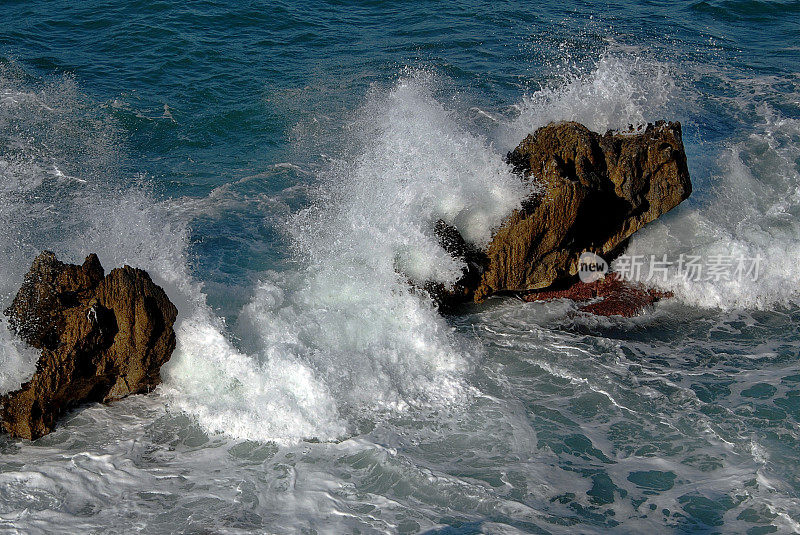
x,y
278,167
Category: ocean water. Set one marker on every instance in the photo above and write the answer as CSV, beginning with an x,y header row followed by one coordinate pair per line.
x,y
276,165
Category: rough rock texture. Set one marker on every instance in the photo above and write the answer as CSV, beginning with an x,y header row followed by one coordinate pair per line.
x,y
595,192
102,338
610,296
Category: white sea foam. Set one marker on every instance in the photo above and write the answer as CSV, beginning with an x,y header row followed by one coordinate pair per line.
x,y
753,212
341,337
347,324
345,334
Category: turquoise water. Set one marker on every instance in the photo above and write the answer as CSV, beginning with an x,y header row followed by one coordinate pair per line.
x,y
274,164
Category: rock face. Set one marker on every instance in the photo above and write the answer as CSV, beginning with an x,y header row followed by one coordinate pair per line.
x,y
102,338
610,296
595,192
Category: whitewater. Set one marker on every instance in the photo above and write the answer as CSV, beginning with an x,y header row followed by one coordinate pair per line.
x,y
312,389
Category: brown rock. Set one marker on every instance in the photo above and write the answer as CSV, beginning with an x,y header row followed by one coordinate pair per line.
x,y
610,296
102,338
596,191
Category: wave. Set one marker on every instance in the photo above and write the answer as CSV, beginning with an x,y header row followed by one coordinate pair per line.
x,y
746,201
753,212
341,337
346,325
316,348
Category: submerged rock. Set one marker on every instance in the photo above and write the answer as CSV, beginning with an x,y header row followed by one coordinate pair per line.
x,y
102,338
594,192
610,296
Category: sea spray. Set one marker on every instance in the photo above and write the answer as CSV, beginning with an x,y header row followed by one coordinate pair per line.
x,y
622,90
359,337
683,419
749,208
752,212
347,325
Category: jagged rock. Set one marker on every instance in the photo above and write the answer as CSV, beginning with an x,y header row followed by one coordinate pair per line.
x,y
610,296
102,338
595,192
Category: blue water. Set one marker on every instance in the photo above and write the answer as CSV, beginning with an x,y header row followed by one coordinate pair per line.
x,y
274,164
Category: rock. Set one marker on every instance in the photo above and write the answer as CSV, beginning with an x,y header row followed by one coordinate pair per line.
x,y
102,338
595,192
610,296
473,258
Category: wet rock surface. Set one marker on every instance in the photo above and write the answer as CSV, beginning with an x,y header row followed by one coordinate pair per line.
x,y
102,338
593,192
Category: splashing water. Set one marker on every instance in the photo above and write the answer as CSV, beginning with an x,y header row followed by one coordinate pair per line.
x,y
347,326
754,213
619,92
334,398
